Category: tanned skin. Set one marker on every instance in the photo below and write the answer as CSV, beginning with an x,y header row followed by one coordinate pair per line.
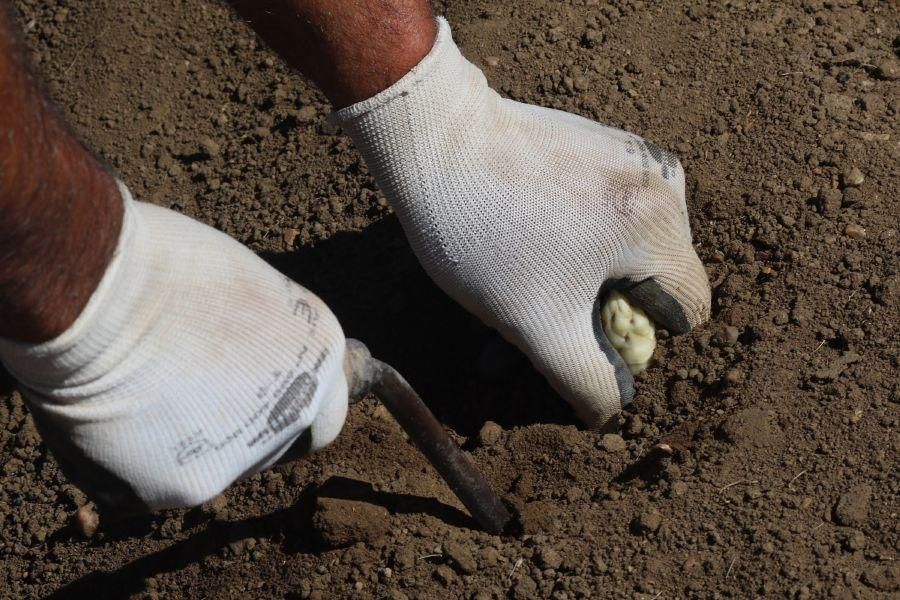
x,y
60,210
351,49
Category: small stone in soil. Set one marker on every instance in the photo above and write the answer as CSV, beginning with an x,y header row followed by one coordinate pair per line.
x,y
855,232
290,235
852,177
87,520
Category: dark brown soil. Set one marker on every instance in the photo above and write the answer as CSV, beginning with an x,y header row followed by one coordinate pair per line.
x,y
783,411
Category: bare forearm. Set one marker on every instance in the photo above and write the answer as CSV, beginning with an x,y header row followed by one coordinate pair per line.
x,y
59,208
351,49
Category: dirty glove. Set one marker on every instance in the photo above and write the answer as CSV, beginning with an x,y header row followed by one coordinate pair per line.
x,y
523,213
194,364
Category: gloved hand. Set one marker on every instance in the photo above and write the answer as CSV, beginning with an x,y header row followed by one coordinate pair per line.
x,y
523,213
193,365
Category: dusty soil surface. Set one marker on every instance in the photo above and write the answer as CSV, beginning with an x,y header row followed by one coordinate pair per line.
x,y
782,412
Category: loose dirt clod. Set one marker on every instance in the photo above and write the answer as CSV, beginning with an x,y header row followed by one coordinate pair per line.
x,y
489,434
445,575
461,557
889,70
837,366
549,558
726,335
852,508
210,147
340,523
647,522
829,201
612,442
883,578
217,508
679,488
855,541
540,516
753,427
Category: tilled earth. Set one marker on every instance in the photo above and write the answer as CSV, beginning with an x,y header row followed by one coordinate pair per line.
x,y
782,412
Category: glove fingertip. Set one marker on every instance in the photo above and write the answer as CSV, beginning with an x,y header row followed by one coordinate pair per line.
x,y
597,413
660,305
676,315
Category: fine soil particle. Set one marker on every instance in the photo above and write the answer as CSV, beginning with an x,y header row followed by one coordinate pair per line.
x,y
779,413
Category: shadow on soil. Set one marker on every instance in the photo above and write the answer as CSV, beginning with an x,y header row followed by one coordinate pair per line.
x,y
462,369
131,578
7,383
344,488
290,525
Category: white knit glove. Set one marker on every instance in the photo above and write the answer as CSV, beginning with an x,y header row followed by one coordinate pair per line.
x,y
523,213
194,364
